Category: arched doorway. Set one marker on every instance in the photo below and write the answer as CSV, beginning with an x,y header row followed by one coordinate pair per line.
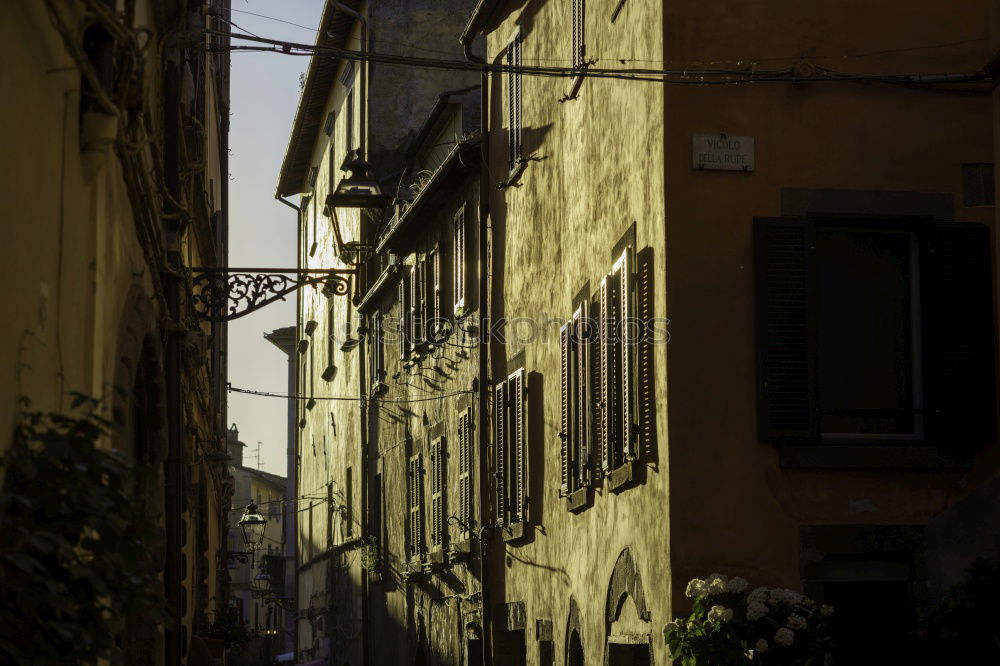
x,y
627,616
574,642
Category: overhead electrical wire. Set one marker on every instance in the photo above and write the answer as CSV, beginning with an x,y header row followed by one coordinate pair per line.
x,y
694,76
293,396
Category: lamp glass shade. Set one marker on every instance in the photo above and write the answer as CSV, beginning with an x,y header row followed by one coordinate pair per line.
x,y
359,190
252,526
261,583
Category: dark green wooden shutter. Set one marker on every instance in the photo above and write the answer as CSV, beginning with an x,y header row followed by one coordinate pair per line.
x,y
960,380
786,329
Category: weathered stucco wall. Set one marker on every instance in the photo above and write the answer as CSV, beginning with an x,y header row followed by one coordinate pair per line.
x,y
733,508
594,171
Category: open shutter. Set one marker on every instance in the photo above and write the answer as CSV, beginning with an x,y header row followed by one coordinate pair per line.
x,y
436,312
958,334
578,32
519,121
438,524
520,452
624,271
514,103
417,295
607,400
566,395
786,332
411,493
500,444
404,315
581,455
458,262
465,470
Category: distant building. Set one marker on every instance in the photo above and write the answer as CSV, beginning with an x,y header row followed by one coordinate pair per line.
x,y
267,492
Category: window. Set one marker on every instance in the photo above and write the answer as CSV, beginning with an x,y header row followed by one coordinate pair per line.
x,y
509,433
874,331
435,319
459,264
331,120
576,406
418,302
616,322
375,509
513,60
578,19
465,473
439,516
349,124
313,173
415,494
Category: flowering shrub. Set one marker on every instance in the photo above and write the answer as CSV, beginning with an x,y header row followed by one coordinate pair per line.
x,y
729,625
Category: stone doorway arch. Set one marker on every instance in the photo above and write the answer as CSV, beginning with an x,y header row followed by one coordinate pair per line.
x,y
628,634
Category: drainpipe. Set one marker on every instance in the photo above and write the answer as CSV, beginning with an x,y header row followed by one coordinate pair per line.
x,y
484,284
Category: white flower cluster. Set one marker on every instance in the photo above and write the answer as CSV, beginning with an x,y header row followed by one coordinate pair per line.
x,y
797,622
761,645
715,584
720,614
784,636
756,610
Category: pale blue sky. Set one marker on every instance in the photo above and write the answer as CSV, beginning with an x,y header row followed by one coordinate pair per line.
x,y
265,93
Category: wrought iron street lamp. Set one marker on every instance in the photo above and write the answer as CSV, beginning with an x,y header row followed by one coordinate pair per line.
x,y
251,526
359,190
261,584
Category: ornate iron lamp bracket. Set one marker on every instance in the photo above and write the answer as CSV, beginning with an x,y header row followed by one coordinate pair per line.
x,y
224,294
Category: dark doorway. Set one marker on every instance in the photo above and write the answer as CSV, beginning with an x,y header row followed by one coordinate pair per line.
x,y
546,653
574,654
628,654
474,652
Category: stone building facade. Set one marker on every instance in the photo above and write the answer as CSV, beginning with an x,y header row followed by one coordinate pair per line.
x,y
800,429
349,110
115,186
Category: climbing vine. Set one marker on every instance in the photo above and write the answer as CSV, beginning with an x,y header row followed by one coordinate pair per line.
x,y
75,542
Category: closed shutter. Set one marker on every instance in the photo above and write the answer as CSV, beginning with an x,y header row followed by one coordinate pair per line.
x,y
465,470
411,491
624,271
566,416
458,263
438,524
786,337
958,334
520,452
581,383
500,444
604,298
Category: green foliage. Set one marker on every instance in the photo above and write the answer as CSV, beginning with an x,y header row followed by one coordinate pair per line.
x,y
230,628
371,556
729,627
74,542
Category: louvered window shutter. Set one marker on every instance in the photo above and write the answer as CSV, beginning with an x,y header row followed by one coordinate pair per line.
x,y
625,274
458,264
519,124
404,315
438,519
417,302
520,452
500,444
411,490
612,449
578,32
566,394
785,306
960,385
465,470
436,312
514,103
581,454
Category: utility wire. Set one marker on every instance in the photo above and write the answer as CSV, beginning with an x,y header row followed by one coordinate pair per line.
x,y
702,76
293,396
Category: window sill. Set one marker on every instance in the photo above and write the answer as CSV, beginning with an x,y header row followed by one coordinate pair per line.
x,y
623,477
579,499
514,532
515,174
876,456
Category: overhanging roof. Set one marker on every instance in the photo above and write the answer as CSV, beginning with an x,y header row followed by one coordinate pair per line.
x,y
480,19
335,26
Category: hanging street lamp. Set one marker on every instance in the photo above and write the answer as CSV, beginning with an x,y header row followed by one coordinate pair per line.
x,y
252,525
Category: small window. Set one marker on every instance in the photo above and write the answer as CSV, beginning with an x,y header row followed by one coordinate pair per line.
x,y
376,351
331,120
509,440
313,173
978,186
460,275
349,125
405,320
